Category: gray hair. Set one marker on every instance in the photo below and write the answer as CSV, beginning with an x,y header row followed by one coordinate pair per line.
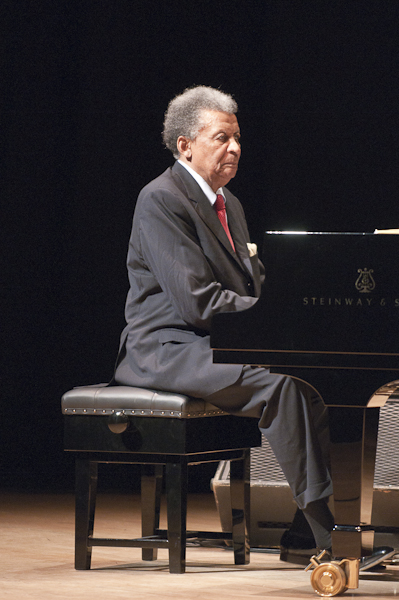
x,y
184,115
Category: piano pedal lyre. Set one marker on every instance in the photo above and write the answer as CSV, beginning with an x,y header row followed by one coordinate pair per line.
x,y
335,577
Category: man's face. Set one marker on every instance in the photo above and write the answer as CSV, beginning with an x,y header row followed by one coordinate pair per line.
x,y
215,152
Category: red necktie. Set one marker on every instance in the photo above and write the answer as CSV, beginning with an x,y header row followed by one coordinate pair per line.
x,y
220,208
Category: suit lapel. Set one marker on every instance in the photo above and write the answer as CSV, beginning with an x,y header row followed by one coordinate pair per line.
x,y
239,238
190,188
204,208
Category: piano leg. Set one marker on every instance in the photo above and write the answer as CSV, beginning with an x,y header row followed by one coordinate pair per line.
x,y
353,432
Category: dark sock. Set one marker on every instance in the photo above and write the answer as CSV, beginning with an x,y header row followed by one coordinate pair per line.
x,y
300,525
321,522
299,535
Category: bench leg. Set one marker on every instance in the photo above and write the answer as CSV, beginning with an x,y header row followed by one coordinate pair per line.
x,y
176,494
85,503
240,506
151,487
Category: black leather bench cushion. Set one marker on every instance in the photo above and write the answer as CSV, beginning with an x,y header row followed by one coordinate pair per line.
x,y
106,400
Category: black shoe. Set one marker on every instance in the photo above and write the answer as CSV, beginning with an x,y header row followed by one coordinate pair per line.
x,y
296,548
297,555
291,541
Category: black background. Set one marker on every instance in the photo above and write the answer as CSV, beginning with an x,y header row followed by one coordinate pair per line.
x,y
84,88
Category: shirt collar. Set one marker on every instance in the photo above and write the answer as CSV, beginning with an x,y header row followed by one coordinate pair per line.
x,y
205,187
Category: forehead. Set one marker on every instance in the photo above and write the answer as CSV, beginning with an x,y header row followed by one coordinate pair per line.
x,y
218,121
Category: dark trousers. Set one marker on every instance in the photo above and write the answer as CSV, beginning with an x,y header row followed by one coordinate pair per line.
x,y
294,420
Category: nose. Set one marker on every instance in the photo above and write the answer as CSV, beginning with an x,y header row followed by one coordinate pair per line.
x,y
234,146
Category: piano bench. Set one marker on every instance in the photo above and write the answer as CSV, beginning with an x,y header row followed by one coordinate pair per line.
x,y
164,433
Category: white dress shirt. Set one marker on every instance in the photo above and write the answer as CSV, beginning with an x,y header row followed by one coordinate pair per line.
x,y
205,187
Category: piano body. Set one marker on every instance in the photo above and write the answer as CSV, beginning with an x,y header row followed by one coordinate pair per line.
x,y
329,315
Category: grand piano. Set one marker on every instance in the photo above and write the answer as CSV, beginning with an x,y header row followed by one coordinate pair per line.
x,y
329,315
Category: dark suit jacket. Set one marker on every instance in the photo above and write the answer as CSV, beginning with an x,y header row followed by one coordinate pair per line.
x,y
182,271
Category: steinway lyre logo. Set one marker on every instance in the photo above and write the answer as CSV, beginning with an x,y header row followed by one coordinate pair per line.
x,y
365,282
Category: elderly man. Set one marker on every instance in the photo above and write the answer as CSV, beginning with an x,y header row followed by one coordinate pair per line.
x,y
188,260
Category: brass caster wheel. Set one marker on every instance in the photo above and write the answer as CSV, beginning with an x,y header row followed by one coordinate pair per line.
x,y
328,579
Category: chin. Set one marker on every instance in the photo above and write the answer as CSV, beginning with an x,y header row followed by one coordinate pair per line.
x,y
231,174
230,171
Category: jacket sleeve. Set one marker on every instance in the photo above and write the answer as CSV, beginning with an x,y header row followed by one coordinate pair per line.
x,y
170,249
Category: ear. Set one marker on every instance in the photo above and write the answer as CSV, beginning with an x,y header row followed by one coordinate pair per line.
x,y
184,146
